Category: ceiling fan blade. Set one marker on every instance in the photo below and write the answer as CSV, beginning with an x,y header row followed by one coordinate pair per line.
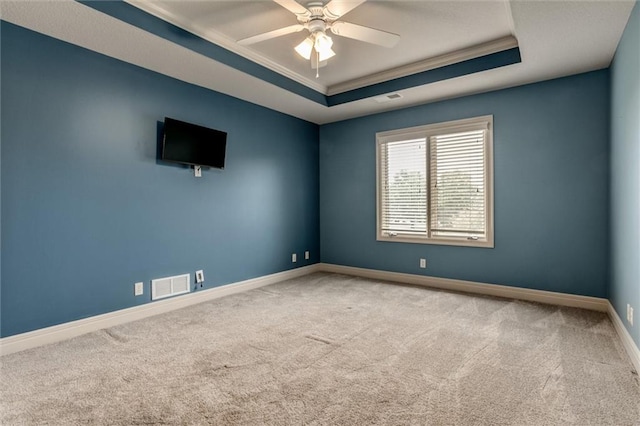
x,y
271,34
336,8
294,7
366,34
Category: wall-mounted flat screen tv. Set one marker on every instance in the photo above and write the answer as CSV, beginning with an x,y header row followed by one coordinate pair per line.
x,y
188,143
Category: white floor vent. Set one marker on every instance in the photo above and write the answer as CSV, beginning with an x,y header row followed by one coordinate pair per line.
x,y
170,286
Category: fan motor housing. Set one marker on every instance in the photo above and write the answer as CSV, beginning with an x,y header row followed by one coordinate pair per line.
x,y
316,25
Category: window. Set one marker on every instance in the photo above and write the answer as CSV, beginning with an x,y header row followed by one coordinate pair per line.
x,y
435,183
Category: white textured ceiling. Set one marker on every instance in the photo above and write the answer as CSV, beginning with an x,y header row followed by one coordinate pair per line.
x,y
556,38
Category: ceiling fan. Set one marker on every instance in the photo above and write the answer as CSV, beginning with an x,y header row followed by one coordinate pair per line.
x,y
317,18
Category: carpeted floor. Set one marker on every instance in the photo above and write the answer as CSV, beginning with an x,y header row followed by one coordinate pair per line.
x,y
331,349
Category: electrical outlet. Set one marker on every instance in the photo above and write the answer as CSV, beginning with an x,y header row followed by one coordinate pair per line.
x,y
294,258
631,315
628,312
423,263
306,255
199,276
138,289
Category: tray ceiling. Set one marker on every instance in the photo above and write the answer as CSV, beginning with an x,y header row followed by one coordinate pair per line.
x,y
555,39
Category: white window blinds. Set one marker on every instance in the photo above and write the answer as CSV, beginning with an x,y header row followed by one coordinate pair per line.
x,y
457,166
435,183
404,192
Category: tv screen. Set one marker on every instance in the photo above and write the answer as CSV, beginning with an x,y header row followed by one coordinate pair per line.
x,y
188,143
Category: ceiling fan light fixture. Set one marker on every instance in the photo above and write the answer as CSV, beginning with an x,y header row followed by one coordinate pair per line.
x,y
323,43
317,17
304,49
326,54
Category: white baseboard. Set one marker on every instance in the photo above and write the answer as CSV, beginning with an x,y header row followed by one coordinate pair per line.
x,y
627,341
56,333
549,297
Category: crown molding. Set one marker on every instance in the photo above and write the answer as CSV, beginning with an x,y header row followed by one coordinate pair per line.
x,y
219,39
461,55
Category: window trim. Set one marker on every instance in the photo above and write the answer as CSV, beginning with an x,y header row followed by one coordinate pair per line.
x,y
427,131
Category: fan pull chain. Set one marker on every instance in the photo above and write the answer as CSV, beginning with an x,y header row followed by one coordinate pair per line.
x,y
317,64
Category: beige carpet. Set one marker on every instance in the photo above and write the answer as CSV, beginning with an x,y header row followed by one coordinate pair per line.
x,y
328,349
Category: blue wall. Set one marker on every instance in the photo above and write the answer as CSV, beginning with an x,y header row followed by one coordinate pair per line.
x,y
87,210
551,189
625,175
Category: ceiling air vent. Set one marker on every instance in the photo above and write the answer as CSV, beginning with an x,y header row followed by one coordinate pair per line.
x,y
388,97
170,286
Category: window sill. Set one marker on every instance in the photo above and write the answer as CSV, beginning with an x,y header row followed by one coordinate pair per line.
x,y
435,241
